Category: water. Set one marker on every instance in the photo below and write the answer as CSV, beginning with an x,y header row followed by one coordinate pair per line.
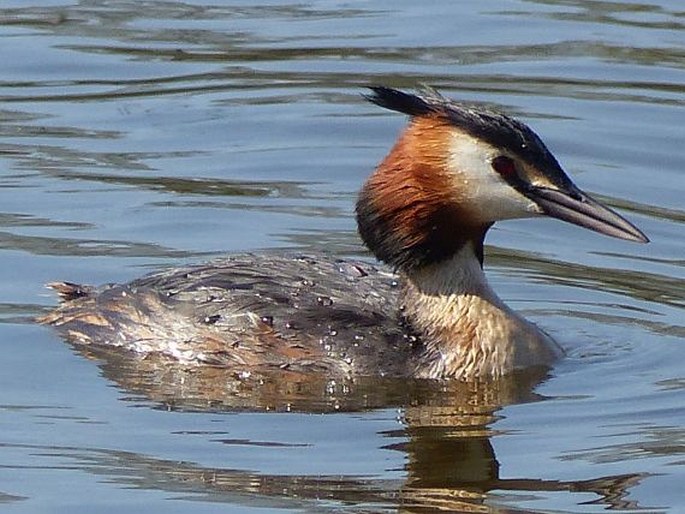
x,y
136,135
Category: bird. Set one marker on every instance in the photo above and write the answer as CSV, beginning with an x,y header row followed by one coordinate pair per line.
x,y
425,311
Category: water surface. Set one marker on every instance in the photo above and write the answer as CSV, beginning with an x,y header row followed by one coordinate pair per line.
x,y
137,135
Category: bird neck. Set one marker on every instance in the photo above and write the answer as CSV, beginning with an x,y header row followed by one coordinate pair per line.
x,y
465,329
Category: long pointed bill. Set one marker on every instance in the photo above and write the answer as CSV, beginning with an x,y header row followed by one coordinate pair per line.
x,y
580,209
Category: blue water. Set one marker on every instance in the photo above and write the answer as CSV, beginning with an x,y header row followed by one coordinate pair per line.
x,y
137,135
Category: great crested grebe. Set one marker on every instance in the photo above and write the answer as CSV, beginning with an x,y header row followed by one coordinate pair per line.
x,y
456,169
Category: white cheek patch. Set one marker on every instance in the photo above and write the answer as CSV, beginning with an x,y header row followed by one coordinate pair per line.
x,y
503,205
485,193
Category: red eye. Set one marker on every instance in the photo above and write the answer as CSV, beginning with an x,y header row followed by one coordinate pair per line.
x,y
504,166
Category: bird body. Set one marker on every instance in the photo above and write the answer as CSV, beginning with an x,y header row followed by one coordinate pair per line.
x,y
454,171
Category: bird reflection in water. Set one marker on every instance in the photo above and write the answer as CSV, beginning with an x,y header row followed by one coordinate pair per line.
x,y
445,432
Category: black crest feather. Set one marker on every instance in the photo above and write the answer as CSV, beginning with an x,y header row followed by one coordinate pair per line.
x,y
396,100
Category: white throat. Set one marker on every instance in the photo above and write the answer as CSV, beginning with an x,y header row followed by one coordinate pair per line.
x,y
466,330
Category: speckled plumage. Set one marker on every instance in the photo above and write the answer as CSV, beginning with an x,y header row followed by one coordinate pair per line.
x,y
250,311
